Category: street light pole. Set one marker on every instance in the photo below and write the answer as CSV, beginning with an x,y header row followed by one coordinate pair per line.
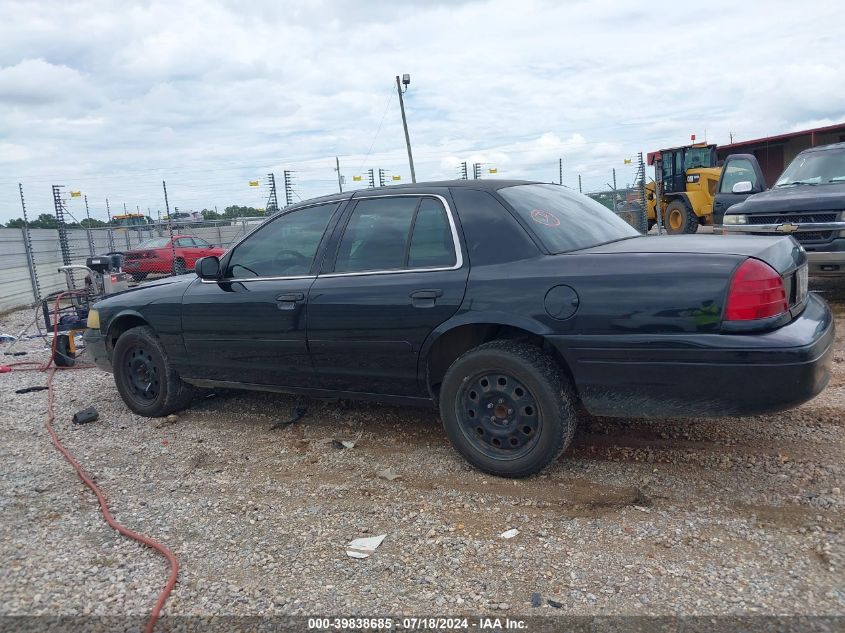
x,y
406,79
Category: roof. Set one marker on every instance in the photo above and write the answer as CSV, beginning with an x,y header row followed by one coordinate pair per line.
x,y
784,137
491,184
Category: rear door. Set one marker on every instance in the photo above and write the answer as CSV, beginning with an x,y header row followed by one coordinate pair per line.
x,y
397,273
737,168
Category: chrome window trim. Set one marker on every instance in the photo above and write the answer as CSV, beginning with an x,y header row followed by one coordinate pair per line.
x,y
272,219
456,242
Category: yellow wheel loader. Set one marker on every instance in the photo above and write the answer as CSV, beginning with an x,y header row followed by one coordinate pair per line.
x,y
686,178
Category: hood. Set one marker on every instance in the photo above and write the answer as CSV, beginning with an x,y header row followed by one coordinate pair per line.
x,y
830,197
179,284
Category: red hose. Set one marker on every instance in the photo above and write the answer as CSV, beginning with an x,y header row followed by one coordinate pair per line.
x,y
104,506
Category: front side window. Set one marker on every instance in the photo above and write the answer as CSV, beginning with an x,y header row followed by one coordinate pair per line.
x,y
396,233
737,170
564,221
284,247
185,242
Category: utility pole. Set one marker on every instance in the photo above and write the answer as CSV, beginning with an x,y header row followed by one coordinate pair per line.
x,y
579,184
476,171
464,175
288,188
406,79
615,195
381,175
339,177
371,179
560,170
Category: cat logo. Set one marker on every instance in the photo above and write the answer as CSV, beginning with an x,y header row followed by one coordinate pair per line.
x,y
787,227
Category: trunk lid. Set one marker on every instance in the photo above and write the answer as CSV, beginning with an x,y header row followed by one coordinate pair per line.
x,y
783,254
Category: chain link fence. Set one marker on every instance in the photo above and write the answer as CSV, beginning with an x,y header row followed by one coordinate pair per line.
x,y
31,259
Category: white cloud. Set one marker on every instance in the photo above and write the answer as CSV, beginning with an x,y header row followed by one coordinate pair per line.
x,y
113,98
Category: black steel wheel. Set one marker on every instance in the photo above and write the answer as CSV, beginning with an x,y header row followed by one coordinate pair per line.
x,y
141,374
499,415
179,267
144,376
507,407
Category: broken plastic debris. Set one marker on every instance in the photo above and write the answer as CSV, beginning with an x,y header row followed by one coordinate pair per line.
x,y
347,444
509,533
388,474
363,547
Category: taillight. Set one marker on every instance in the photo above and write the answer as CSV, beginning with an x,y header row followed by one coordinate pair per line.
x,y
756,292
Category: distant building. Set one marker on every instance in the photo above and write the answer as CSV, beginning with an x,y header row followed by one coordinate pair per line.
x,y
774,153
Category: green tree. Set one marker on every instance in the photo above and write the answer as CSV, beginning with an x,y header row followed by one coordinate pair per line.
x,y
17,223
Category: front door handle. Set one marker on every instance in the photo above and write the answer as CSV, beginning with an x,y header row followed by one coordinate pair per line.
x,y
425,298
288,300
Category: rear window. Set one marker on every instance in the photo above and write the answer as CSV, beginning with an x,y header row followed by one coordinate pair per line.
x,y
563,220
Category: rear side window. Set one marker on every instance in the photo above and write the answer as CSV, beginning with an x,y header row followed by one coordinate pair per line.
x,y
395,233
565,221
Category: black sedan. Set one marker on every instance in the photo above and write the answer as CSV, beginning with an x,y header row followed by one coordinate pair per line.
x,y
507,304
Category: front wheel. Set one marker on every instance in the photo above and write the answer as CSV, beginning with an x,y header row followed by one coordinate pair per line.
x,y
144,375
680,218
507,408
179,268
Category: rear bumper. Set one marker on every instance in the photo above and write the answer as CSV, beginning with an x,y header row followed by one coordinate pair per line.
x,y
95,345
706,375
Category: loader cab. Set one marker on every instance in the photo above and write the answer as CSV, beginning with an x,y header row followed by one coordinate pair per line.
x,y
675,163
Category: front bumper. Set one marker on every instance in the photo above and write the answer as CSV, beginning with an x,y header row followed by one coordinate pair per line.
x,y
95,345
704,375
826,259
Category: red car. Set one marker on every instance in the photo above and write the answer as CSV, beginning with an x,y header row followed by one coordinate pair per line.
x,y
157,256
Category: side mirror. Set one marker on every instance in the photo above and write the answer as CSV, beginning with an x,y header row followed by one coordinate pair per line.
x,y
743,186
207,267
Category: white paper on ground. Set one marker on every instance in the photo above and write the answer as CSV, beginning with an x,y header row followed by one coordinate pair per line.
x,y
363,547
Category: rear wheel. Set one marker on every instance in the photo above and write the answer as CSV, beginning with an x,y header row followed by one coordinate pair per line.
x,y
507,408
680,218
144,376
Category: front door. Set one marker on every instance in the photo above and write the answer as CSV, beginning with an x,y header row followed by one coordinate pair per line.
x,y
398,273
737,168
249,326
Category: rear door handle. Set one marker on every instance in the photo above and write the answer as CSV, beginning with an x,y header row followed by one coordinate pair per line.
x,y
288,300
426,294
425,298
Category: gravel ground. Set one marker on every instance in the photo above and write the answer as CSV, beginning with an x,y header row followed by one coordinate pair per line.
x,y
740,516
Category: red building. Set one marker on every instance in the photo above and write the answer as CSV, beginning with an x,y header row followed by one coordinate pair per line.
x,y
774,153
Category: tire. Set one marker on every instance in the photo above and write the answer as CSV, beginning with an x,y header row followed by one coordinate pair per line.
x,y
139,276
535,391
144,375
179,267
680,218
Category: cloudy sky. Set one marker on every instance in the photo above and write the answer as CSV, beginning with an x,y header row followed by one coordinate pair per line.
x,y
111,98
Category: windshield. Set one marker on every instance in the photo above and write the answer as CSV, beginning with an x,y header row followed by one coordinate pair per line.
x,y
815,168
563,220
157,242
698,157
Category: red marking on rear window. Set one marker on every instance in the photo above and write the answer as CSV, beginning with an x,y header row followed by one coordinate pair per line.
x,y
546,218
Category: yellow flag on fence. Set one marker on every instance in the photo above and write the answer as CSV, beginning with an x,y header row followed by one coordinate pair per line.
x,y
627,161
397,177
253,183
356,178
493,170
75,194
